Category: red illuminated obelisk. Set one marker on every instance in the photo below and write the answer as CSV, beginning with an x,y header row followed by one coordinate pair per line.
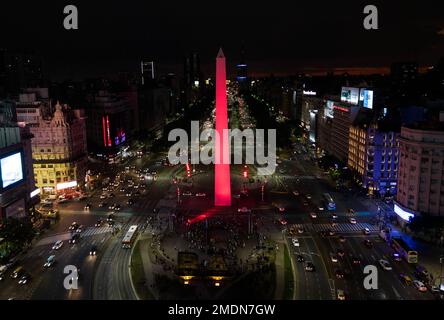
x,y
222,181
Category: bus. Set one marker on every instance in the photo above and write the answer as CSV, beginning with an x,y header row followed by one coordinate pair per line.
x,y
411,256
129,238
328,202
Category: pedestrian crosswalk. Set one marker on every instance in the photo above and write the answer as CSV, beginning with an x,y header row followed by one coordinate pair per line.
x,y
92,231
339,228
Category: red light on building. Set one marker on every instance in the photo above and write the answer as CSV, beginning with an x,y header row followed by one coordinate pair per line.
x,y
104,131
341,108
188,169
108,135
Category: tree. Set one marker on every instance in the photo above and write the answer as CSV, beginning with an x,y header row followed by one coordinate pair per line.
x,y
16,233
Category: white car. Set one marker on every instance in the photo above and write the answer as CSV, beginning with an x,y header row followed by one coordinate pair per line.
x,y
352,220
295,242
308,196
385,265
313,215
296,192
419,285
57,245
243,210
333,258
103,196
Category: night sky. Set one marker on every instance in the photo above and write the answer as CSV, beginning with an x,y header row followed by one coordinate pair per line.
x,y
279,37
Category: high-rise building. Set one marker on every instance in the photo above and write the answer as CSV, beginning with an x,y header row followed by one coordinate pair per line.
x,y
404,77
59,150
421,171
110,122
147,72
17,189
373,155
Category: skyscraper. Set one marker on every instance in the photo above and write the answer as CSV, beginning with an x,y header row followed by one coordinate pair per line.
x,y
147,71
222,187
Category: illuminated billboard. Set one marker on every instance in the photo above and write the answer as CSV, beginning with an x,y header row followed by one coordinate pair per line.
x,y
403,214
65,185
368,99
11,168
328,111
350,95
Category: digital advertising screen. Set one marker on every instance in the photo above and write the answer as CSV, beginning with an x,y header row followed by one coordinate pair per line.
x,y
350,95
368,99
11,168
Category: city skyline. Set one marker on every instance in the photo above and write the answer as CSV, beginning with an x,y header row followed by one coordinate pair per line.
x,y
311,36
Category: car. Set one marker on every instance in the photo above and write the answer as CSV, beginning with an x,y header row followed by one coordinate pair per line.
x,y
333,258
350,210
112,206
129,194
130,202
330,233
73,226
102,204
117,207
236,196
308,196
300,230
74,238
2,275
366,231
339,274
103,196
396,256
186,193
309,266
435,289
334,216
340,253
98,223
283,221
305,203
355,260
49,262
80,229
201,194
385,264
63,200
243,210
313,215
368,243
405,279
111,195
300,258
333,223
296,192
87,207
110,217
93,251
342,238
281,209
352,220
24,279
137,193
57,245
340,294
419,286
295,242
